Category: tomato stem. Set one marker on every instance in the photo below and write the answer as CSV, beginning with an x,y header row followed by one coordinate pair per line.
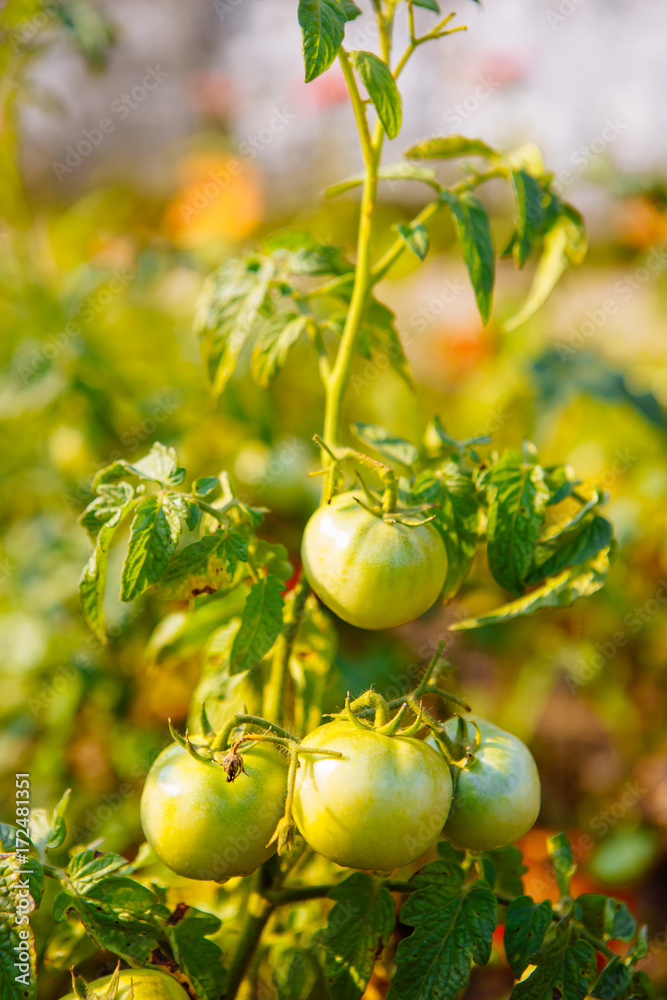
x,y
274,693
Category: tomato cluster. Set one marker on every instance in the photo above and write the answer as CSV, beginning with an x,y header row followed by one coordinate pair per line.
x,y
378,805
363,795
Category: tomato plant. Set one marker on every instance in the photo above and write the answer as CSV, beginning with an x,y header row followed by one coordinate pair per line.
x,y
129,984
204,826
368,567
497,797
268,793
380,806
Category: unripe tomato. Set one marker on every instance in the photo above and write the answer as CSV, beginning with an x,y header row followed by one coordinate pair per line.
x,y
142,984
497,793
373,574
378,807
203,826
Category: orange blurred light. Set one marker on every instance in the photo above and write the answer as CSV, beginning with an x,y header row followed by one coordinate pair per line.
x,y
220,198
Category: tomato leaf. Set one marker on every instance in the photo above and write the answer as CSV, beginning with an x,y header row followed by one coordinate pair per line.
x,y
415,238
556,592
119,914
453,925
92,584
518,496
277,336
562,859
526,924
227,312
203,566
456,518
322,24
378,80
390,446
605,918
18,983
359,926
565,244
199,959
448,147
612,981
159,466
427,5
261,623
564,967
153,536
391,172
508,866
529,195
474,232
591,539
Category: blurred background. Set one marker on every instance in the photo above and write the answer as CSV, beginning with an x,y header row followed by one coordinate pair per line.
x,y
143,143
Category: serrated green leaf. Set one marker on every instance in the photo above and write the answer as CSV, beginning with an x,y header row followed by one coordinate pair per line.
x,y
438,442
120,915
576,549
378,80
202,567
565,244
227,312
261,623
509,867
18,981
105,507
200,959
153,537
205,486
518,496
526,924
448,147
613,981
391,172
379,334
565,967
453,923
277,336
92,584
159,466
456,518
415,238
562,859
474,232
556,592
88,867
358,928
390,446
322,24
605,918
529,196
58,830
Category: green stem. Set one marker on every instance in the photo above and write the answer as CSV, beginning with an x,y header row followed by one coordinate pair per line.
x,y
258,911
340,373
274,707
221,741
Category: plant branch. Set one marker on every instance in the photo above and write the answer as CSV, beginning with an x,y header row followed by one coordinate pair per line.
x,y
274,695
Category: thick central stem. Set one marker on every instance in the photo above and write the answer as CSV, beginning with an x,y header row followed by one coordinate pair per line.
x,y
336,384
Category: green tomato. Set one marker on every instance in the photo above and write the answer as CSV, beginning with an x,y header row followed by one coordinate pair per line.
x,y
496,794
371,573
378,807
142,984
205,827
